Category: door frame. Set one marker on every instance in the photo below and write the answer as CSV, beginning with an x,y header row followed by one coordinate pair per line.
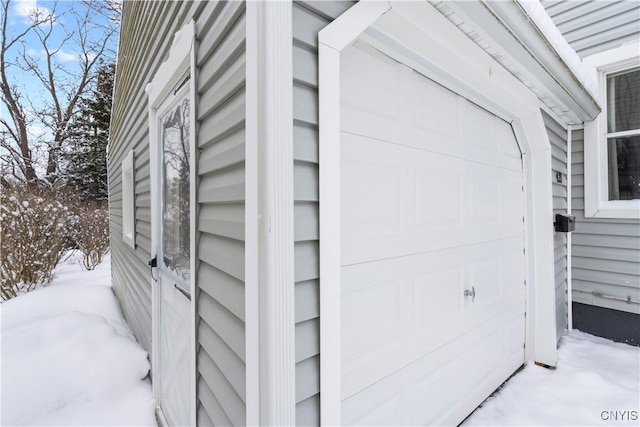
x,y
432,45
180,61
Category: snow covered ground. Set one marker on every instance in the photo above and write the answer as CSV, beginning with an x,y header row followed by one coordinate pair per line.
x,y
68,357
596,382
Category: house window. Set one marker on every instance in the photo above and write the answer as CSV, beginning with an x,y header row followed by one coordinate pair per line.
x,y
623,134
612,140
128,214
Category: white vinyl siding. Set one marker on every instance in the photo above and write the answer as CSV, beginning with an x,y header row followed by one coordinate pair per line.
x,y
308,19
605,252
595,26
145,41
558,139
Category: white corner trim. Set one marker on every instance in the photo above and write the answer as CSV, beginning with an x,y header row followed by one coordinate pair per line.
x,y
270,153
181,58
596,177
423,39
542,346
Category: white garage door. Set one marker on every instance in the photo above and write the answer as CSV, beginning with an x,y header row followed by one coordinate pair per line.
x,y
432,206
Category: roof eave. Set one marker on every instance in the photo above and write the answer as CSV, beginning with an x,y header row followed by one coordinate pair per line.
x,y
507,24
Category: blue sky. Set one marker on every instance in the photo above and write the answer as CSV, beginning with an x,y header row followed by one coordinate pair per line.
x,y
67,48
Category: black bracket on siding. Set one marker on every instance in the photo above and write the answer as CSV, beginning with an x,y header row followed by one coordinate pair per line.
x,y
153,263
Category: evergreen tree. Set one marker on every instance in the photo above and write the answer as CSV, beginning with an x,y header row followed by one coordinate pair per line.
x,y
86,157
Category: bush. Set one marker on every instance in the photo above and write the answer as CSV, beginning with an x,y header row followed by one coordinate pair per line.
x,y
91,232
34,226
37,226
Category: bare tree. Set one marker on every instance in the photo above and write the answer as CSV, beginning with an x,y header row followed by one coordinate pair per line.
x,y
60,49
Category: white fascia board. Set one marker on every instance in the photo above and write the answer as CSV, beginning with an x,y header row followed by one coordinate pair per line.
x,y
507,28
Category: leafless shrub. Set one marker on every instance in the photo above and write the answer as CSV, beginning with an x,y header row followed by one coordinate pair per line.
x,y
91,232
34,224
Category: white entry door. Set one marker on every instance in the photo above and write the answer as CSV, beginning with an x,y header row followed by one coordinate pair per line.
x,y
174,259
432,250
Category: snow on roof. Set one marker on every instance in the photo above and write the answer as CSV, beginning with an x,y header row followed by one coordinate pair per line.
x,y
543,22
461,15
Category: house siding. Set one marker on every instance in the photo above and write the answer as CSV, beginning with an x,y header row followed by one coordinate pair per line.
x,y
146,37
591,27
308,19
558,139
605,252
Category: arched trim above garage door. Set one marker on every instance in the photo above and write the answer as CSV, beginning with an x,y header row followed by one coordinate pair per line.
x,y
415,34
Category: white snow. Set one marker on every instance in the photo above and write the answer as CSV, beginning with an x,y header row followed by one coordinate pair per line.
x,y
596,382
68,357
543,21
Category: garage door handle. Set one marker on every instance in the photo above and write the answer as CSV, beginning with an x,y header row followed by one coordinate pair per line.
x,y
471,293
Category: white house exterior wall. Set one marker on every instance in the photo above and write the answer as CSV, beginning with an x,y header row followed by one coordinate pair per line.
x,y
308,19
146,37
606,252
559,179
595,26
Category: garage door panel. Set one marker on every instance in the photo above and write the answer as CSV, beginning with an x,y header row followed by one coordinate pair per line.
x,y
447,190
454,378
436,295
441,400
372,316
387,413
368,107
485,279
364,90
436,109
481,128
394,310
410,109
431,206
374,192
363,123
398,201
485,206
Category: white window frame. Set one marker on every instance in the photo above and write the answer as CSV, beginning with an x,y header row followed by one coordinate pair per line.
x,y
596,170
128,201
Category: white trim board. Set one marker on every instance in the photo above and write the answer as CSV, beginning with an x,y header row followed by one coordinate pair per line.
x,y
596,176
270,281
429,43
181,59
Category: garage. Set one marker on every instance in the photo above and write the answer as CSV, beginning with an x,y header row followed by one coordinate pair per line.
x,y
435,237
432,262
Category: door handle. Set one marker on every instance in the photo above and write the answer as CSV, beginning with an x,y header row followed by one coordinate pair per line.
x,y
471,293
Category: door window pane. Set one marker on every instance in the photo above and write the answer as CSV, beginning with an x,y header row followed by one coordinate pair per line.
x,y
176,178
624,168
